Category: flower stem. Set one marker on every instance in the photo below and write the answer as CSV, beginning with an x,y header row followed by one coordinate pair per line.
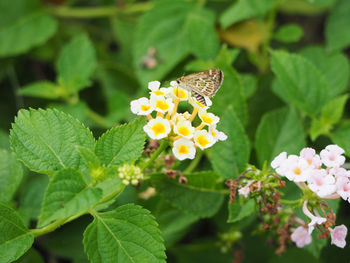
x,y
194,113
289,202
194,162
161,148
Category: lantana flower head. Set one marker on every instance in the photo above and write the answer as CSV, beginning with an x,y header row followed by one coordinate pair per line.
x,y
296,169
177,127
321,183
311,157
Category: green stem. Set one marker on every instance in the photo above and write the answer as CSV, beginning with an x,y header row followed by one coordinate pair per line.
x,y
289,202
194,162
161,148
97,12
100,120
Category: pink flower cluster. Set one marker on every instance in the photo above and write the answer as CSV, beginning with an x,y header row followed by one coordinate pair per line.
x,y
322,173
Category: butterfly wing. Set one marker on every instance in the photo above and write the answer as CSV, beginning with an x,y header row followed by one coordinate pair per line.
x,y
205,83
199,98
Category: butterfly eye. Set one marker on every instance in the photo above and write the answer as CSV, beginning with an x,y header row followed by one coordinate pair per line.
x,y
178,81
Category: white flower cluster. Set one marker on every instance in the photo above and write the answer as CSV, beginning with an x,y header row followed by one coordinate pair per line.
x,y
130,174
168,123
322,173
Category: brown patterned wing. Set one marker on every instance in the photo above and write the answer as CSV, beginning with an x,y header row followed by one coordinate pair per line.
x,y
205,83
199,98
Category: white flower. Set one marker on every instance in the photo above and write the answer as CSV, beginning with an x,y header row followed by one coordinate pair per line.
x,y
184,129
295,169
343,188
157,128
339,172
279,159
142,106
155,90
321,183
315,220
332,156
208,118
203,139
184,149
218,135
246,189
338,235
301,237
311,157
161,104
153,85
179,93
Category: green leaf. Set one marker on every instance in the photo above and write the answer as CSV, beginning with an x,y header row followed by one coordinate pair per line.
x,y
201,196
15,238
237,211
301,81
244,9
46,140
231,91
173,222
331,114
31,256
338,26
126,234
4,140
89,157
229,158
10,175
175,29
121,144
26,32
250,84
76,63
289,33
279,131
32,194
334,67
341,137
67,194
41,89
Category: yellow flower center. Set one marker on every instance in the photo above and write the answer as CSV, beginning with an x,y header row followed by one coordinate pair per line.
x,y
180,93
200,104
202,140
184,131
158,92
161,104
297,171
158,128
145,107
183,149
213,133
207,119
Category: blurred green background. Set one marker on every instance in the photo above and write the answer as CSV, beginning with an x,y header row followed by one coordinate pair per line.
x,y
91,58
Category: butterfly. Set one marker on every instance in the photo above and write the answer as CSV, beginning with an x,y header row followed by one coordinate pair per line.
x,y
202,84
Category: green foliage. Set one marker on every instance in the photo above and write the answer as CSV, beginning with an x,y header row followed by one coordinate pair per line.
x,y
289,33
189,27
200,196
76,63
341,136
338,26
41,89
67,194
121,144
279,131
301,82
45,140
126,234
10,175
15,238
237,211
229,158
245,9
23,25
